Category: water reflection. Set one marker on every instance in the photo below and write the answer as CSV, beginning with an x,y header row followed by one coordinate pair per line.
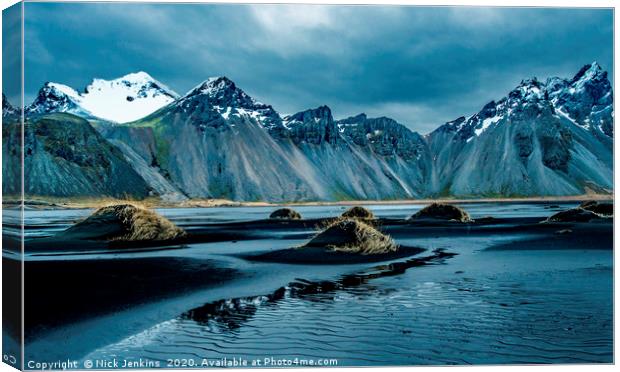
x,y
231,314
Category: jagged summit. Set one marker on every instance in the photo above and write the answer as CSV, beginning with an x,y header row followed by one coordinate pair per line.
x,y
121,100
585,100
543,138
221,91
314,126
221,96
354,119
529,90
590,71
384,135
321,114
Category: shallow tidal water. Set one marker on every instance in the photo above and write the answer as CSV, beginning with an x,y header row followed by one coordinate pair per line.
x,y
480,306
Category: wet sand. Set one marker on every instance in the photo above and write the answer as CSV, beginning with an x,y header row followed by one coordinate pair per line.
x,y
121,283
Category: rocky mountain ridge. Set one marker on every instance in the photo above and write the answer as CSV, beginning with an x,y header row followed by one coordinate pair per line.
x,y
543,138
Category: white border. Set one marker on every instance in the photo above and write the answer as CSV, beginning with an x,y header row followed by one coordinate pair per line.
x,y
505,3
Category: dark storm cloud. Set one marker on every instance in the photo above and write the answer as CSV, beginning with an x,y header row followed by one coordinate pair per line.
x,y
422,66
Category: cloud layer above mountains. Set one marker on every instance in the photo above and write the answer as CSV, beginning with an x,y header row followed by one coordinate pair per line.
x,y
421,66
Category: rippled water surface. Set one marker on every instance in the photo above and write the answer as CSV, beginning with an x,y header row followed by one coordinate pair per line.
x,y
477,307
511,308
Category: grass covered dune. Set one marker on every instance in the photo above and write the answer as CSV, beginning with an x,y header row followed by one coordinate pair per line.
x,y
125,223
342,241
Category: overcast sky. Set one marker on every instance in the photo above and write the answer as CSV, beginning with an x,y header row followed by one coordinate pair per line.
x,y
420,66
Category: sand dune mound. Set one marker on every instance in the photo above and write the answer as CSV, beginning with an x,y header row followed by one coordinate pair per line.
x,y
603,209
285,214
358,212
125,222
574,215
353,236
441,211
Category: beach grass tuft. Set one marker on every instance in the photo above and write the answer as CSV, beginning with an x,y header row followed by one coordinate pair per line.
x,y
353,236
285,214
442,211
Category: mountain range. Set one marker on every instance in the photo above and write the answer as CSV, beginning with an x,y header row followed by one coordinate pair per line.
x,y
134,136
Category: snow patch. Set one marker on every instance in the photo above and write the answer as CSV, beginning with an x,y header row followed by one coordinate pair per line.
x,y
565,115
127,98
486,123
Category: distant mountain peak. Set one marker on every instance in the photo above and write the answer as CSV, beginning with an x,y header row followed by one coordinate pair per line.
x,y
128,98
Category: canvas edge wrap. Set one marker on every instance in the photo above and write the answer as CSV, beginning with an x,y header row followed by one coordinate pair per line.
x,y
12,189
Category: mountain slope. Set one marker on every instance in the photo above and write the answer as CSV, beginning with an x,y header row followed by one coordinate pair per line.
x,y
215,143
125,99
65,156
549,138
359,158
218,142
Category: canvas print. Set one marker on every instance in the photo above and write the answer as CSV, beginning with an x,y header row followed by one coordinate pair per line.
x,y
251,185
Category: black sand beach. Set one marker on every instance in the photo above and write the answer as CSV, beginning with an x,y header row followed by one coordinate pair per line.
x,y
260,265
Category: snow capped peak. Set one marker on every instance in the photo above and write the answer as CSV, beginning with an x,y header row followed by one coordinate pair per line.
x,y
220,81
121,100
221,91
127,98
60,89
589,72
213,83
137,77
54,97
586,101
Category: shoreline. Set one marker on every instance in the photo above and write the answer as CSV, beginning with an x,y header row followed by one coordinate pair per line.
x,y
91,203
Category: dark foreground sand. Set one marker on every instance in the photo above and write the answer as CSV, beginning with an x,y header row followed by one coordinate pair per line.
x,y
57,292
63,291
